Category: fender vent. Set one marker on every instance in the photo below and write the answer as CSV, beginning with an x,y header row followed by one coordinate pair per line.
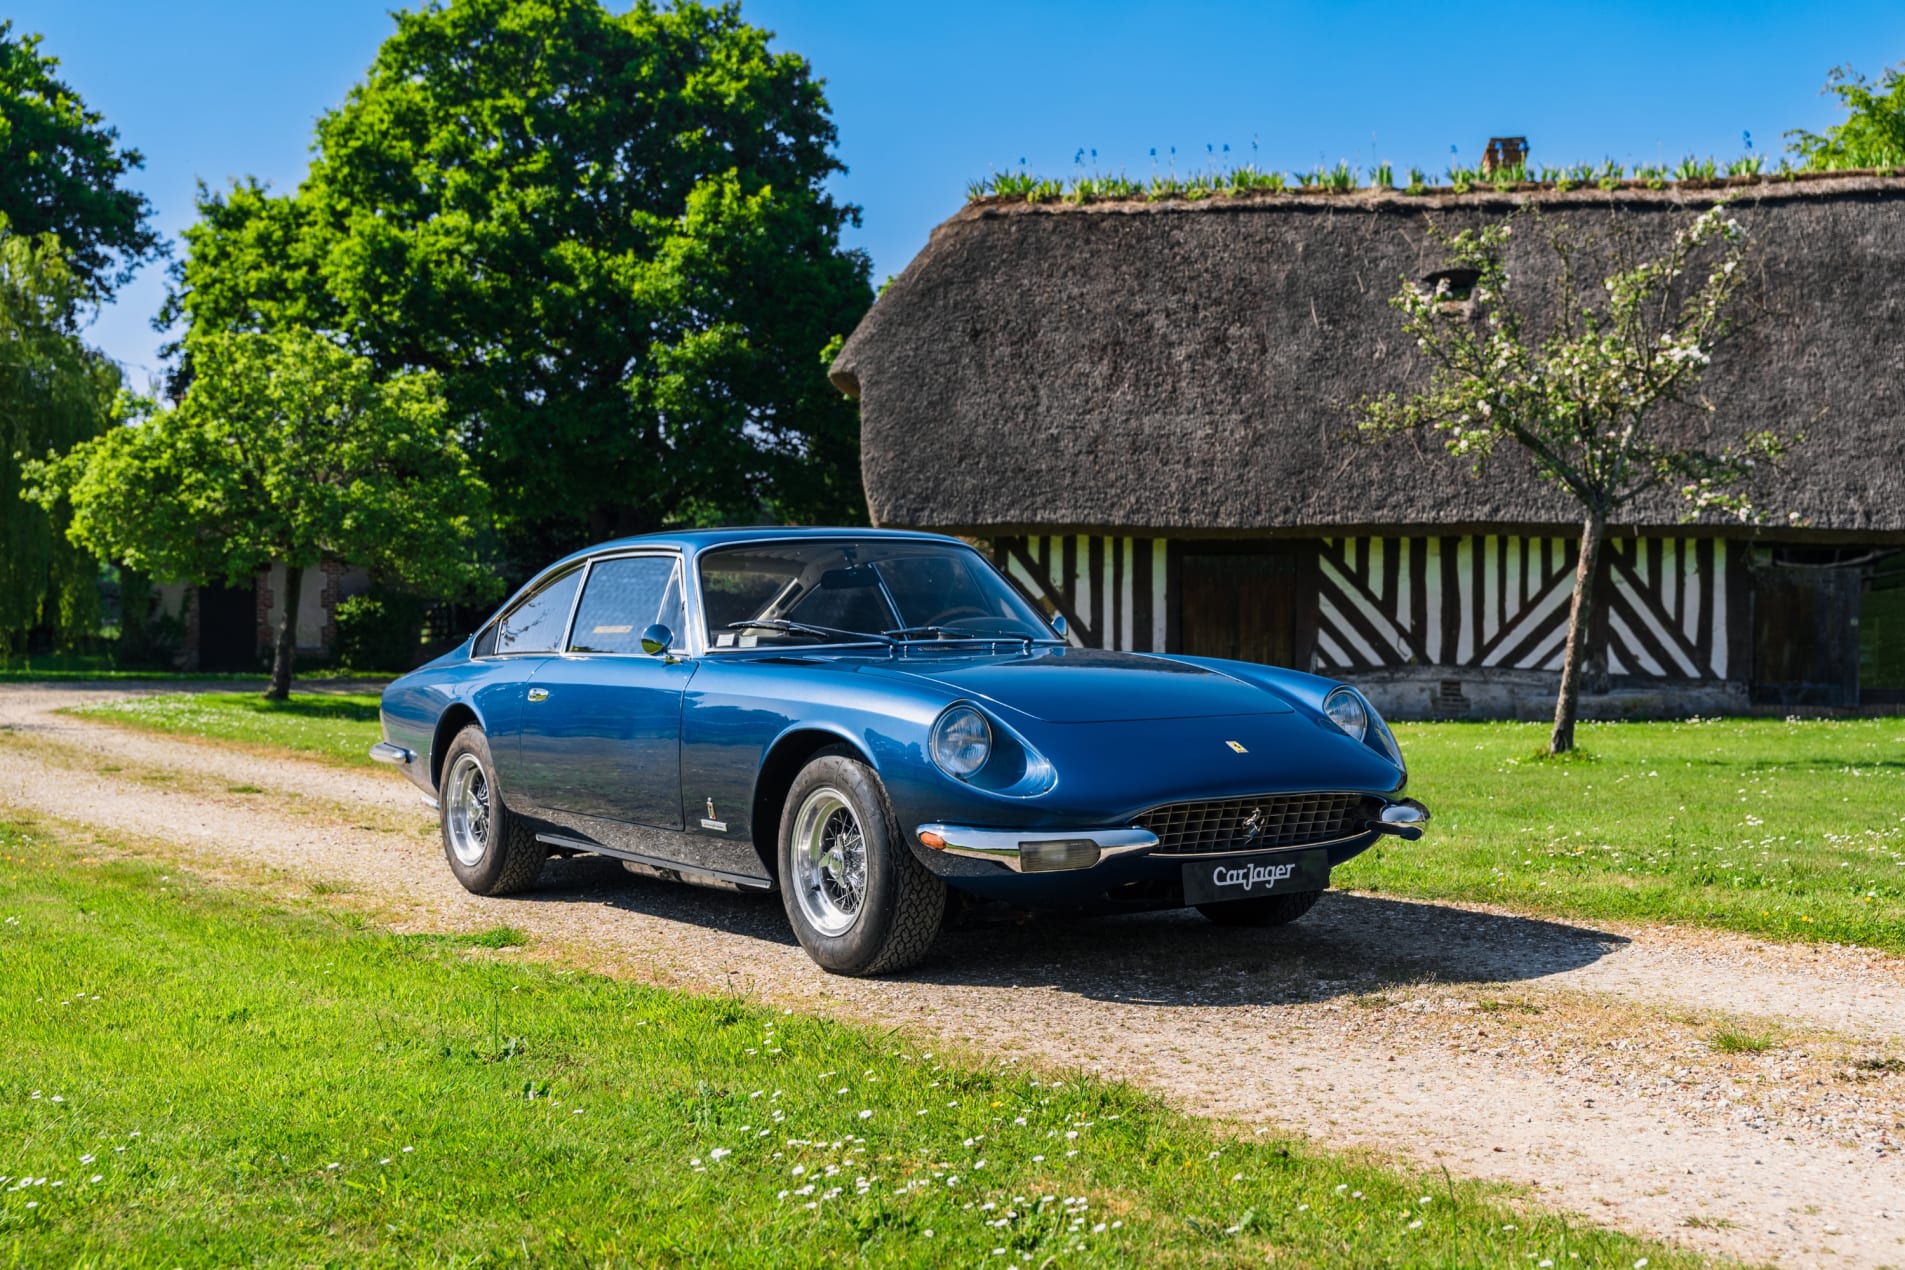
x,y
1253,824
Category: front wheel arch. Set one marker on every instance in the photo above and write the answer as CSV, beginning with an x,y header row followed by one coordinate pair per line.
x,y
785,759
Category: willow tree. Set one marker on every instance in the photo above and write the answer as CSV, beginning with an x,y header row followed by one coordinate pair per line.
x,y
286,450
1586,380
54,393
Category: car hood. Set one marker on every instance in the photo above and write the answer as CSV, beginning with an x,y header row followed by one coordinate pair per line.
x,y
1087,685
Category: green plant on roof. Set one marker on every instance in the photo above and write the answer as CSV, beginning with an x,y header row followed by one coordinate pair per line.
x,y
1249,178
1087,188
1006,185
1507,177
1693,169
1199,185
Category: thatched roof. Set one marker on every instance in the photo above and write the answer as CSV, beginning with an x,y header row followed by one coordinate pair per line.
x,y
1188,368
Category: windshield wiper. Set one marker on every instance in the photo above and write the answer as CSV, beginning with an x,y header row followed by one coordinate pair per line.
x,y
953,632
786,627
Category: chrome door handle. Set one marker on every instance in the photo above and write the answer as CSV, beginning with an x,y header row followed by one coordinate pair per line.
x,y
539,694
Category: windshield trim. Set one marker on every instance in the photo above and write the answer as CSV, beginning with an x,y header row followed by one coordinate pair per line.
x,y
874,640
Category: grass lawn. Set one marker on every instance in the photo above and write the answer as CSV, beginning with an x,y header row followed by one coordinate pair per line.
x,y
339,727
1794,830
1791,830
192,1075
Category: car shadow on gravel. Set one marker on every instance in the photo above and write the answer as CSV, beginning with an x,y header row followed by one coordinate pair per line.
x,y
601,881
1348,945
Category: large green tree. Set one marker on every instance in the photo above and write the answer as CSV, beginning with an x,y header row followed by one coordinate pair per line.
x,y
286,450
63,172
54,393
609,237
1872,134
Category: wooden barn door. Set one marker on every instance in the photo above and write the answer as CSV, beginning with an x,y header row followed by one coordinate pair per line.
x,y
1806,637
1249,603
227,628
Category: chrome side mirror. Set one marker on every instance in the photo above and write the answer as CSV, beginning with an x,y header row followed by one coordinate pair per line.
x,y
1058,623
657,640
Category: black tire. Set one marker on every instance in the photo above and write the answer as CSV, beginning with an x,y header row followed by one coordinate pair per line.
x,y
500,856
892,921
1264,910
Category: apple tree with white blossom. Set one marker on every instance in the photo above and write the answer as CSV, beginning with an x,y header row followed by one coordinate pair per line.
x,y
1586,380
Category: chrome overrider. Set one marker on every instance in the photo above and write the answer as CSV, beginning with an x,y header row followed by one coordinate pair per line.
x,y
1054,851
1028,851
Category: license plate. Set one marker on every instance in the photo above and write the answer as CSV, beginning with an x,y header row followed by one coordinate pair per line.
x,y
1246,876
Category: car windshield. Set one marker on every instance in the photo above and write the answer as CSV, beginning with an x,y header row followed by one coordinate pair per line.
x,y
800,591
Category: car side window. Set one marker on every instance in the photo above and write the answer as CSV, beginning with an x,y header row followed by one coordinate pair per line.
x,y
624,598
535,625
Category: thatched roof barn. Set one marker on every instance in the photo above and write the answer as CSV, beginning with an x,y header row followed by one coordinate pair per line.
x,y
1145,408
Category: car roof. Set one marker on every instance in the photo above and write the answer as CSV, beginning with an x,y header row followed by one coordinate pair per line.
x,y
692,541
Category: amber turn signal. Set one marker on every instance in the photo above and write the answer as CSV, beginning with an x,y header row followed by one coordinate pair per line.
x,y
930,839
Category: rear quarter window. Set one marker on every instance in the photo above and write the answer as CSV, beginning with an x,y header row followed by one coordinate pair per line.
x,y
536,624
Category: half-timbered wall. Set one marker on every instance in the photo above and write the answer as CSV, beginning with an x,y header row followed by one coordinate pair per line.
x,y
1111,590
1489,600
1481,601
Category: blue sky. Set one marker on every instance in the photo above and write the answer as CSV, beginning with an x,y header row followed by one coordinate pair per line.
x,y
928,96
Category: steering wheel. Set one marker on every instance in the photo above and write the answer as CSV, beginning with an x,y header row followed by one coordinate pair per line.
x,y
954,614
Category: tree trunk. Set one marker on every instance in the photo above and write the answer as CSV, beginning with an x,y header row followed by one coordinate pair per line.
x,y
286,651
1579,610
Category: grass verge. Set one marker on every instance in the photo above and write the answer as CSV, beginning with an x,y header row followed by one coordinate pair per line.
x,y
1784,828
338,727
194,1075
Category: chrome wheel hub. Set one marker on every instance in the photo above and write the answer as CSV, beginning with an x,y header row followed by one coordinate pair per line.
x,y
466,803
830,862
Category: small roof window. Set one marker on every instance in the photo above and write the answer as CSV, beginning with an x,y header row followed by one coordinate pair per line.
x,y
1456,284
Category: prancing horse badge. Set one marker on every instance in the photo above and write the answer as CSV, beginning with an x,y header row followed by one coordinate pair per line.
x,y
1237,746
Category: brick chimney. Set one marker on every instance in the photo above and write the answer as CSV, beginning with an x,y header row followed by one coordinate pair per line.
x,y
1504,152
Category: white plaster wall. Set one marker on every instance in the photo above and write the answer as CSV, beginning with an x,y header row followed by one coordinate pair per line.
x,y
171,598
310,607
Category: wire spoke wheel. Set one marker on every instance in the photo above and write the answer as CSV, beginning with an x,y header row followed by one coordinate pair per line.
x,y
830,862
467,799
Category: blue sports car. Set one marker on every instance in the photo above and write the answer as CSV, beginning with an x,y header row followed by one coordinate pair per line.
x,y
876,724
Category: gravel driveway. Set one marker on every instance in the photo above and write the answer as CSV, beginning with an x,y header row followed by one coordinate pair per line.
x,y
1573,1059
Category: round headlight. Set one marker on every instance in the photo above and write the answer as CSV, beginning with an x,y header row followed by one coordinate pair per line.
x,y
1347,711
962,741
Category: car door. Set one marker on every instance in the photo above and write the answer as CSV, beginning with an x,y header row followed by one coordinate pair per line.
x,y
512,649
601,725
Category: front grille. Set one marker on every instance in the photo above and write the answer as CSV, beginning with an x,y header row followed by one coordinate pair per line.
x,y
1252,824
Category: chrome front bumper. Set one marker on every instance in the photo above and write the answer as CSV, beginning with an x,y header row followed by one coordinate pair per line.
x,y
1063,850
385,752
1036,851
